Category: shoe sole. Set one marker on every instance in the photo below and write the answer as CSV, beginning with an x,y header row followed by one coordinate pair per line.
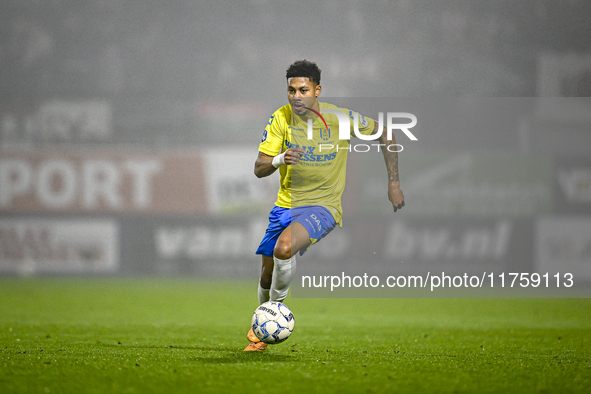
x,y
255,347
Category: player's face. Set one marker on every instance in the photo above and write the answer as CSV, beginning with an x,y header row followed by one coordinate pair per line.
x,y
302,93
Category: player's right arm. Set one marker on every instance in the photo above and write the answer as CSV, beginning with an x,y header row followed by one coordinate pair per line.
x,y
265,165
270,156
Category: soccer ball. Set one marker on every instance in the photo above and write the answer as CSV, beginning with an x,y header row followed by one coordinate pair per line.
x,y
272,322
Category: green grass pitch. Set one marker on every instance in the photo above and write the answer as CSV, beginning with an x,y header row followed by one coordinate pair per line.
x,y
123,335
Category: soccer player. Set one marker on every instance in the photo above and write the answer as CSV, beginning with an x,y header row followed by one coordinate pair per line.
x,y
312,179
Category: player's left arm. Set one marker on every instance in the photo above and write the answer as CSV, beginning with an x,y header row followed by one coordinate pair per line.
x,y
391,158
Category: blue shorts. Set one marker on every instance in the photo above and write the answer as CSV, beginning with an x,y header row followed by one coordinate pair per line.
x,y
317,220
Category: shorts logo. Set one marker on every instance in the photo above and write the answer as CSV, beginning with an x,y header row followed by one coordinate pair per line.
x,y
317,221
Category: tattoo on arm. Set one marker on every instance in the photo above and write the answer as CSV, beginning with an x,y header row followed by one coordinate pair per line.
x,y
391,158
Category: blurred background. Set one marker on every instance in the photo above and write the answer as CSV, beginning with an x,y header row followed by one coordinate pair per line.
x,y
129,130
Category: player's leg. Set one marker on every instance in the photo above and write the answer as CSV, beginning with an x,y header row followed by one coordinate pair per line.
x,y
266,250
308,225
266,278
291,240
294,238
263,294
277,272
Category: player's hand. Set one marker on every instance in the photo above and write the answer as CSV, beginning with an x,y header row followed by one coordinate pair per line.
x,y
292,155
395,195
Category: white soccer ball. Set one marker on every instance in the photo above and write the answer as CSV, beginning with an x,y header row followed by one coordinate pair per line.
x,y
272,322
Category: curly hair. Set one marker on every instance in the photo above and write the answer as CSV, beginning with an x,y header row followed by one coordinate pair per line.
x,y
304,69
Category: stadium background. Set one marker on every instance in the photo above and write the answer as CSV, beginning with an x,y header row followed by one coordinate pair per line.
x,y
128,130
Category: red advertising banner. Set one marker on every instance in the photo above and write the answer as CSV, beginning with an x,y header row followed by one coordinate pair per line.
x,y
101,181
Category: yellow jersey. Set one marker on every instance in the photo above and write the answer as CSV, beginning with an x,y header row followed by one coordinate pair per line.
x,y
319,177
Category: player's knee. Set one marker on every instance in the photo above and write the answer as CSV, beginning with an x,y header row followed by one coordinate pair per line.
x,y
282,250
